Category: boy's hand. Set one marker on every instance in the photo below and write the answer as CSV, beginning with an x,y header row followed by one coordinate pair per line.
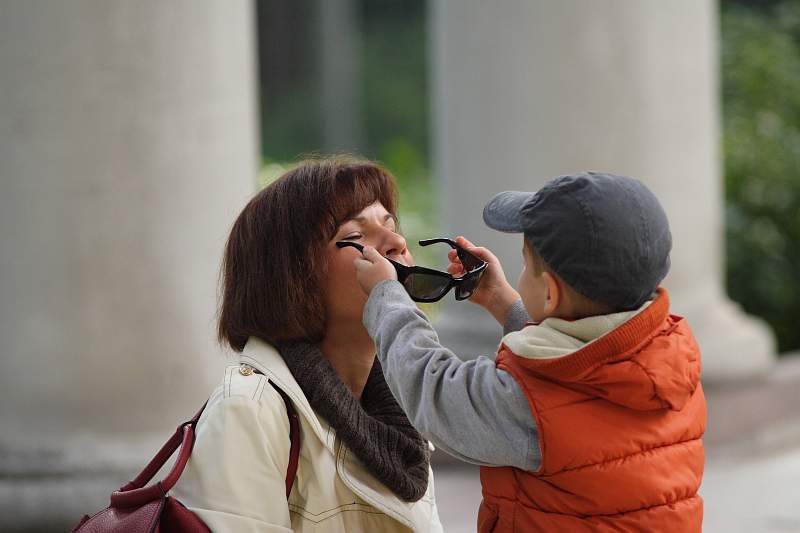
x,y
372,268
494,293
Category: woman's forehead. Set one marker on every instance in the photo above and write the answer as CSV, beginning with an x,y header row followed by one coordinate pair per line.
x,y
371,213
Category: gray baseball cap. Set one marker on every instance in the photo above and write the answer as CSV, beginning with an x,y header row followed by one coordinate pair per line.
x,y
607,236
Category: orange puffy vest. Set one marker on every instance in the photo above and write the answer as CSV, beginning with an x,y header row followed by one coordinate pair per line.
x,y
620,422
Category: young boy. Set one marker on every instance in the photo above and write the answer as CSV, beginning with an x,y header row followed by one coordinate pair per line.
x,y
590,418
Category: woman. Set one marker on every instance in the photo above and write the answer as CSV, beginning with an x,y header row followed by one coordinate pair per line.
x,y
291,307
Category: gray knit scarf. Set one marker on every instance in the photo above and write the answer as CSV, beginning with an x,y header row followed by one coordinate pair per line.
x,y
375,429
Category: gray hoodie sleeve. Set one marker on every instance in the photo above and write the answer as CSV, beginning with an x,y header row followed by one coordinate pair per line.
x,y
516,318
470,409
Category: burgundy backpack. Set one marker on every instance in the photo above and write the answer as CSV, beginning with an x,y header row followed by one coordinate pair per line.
x,y
138,509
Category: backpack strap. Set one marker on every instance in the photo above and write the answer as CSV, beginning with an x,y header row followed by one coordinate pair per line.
x,y
294,438
135,494
294,434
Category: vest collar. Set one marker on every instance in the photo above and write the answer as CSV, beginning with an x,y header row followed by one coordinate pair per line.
x,y
556,337
616,345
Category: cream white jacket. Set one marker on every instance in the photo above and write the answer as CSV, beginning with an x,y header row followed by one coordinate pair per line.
x,y
235,477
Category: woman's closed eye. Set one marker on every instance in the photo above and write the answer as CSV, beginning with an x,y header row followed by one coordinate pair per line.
x,y
352,237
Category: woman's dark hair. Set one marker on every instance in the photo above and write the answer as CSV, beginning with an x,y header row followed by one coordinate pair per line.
x,y
275,255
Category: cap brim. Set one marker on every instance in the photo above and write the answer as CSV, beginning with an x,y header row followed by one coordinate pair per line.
x,y
504,211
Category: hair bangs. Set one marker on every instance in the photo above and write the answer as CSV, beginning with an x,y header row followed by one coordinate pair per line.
x,y
355,187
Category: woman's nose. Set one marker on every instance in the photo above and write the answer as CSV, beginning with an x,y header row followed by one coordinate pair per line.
x,y
393,244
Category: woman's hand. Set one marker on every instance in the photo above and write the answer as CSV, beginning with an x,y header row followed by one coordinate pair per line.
x,y
494,293
372,268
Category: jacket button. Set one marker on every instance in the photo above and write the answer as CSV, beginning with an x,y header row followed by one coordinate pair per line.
x,y
245,370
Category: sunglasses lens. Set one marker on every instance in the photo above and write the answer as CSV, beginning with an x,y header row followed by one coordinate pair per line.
x,y
465,290
426,286
469,261
469,285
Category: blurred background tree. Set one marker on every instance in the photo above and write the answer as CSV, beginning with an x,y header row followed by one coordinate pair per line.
x,y
388,45
761,140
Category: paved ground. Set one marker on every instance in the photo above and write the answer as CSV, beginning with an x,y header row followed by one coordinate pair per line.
x,y
758,495
761,495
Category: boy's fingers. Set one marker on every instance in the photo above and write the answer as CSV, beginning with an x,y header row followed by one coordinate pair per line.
x,y
360,263
455,265
478,251
455,270
371,254
463,241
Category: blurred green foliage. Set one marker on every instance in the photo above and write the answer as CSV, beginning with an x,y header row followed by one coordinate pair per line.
x,y
393,82
395,90
394,58
761,114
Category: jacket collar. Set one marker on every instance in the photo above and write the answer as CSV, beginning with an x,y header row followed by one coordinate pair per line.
x,y
265,358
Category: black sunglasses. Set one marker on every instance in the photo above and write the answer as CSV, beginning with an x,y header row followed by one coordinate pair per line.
x,y
429,285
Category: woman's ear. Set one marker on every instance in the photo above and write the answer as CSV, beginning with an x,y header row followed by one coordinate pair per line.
x,y
553,293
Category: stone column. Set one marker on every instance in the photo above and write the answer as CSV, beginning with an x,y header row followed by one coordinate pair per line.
x,y
339,66
526,90
127,146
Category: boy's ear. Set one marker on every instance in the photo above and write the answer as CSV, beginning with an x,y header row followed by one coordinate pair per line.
x,y
553,293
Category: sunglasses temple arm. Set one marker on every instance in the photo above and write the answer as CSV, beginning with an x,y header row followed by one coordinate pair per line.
x,y
427,242
460,251
348,244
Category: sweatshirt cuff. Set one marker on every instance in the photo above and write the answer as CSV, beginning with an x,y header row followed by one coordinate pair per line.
x,y
387,291
516,317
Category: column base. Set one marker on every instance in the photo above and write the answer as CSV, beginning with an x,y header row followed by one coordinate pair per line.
x,y
468,330
50,487
735,346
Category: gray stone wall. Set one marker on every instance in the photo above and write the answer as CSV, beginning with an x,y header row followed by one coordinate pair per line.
x,y
128,144
526,90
